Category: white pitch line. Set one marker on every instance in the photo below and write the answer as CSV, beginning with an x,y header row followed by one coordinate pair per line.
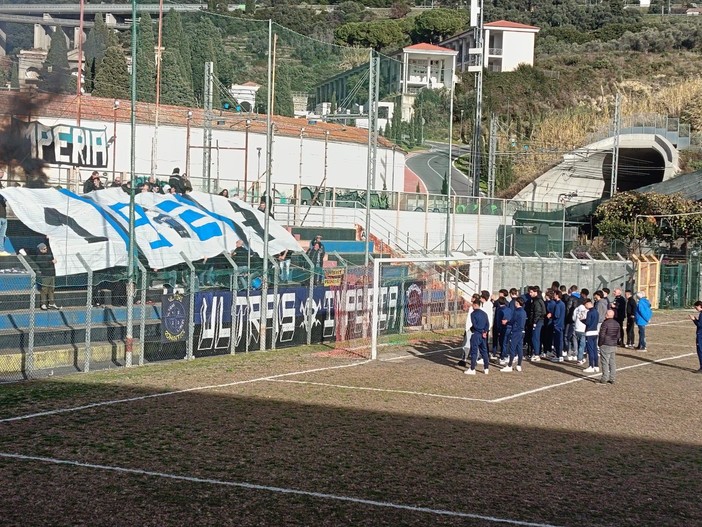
x,y
278,490
386,390
571,381
174,392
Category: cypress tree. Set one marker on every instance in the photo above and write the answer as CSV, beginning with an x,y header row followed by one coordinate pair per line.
x,y
146,62
174,88
98,40
55,75
203,49
174,40
112,79
14,75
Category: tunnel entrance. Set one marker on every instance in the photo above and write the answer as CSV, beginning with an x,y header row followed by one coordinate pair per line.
x,y
638,167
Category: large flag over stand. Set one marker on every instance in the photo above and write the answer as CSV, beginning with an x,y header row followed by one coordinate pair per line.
x,y
96,225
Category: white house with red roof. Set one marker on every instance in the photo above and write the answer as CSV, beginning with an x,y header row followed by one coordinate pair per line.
x,y
425,66
506,46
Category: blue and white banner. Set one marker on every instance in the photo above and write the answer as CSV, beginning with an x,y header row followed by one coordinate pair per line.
x,y
96,226
67,144
247,221
74,225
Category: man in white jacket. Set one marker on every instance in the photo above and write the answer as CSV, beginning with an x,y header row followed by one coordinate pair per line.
x,y
579,315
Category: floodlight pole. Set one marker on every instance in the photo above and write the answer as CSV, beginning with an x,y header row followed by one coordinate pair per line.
x,y
447,249
129,337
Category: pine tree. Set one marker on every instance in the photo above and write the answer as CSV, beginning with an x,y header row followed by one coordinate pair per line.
x,y
174,40
55,75
112,79
145,61
250,7
174,88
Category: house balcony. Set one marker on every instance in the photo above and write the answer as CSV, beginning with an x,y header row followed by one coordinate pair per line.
x,y
495,52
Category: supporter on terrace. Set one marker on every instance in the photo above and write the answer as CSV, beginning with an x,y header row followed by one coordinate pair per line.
x,y
46,271
93,183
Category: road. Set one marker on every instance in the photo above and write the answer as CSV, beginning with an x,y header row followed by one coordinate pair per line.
x,y
431,166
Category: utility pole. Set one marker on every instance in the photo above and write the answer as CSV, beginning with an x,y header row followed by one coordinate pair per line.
x,y
207,128
491,156
615,147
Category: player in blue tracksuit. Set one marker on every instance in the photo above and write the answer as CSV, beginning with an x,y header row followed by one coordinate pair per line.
x,y
517,325
591,333
480,325
559,315
698,323
502,316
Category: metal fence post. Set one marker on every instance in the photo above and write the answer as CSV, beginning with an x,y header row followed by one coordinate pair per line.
x,y
88,313
455,298
142,318
233,289
276,280
310,299
191,308
29,358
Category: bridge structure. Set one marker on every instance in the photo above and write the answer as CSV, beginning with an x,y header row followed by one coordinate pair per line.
x,y
47,18
648,154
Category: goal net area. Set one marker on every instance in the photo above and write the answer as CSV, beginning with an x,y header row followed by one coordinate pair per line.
x,y
394,304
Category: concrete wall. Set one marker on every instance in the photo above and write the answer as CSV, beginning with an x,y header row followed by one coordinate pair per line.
x,y
512,271
406,230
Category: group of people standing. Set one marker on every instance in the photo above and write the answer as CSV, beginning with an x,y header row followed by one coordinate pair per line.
x,y
560,324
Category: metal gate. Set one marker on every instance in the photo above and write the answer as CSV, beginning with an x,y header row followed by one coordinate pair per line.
x,y
673,282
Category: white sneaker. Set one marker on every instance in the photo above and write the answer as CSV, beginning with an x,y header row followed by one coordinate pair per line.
x,y
519,368
5,253
43,307
486,371
556,359
469,372
507,369
580,362
597,369
479,361
503,362
589,369
535,358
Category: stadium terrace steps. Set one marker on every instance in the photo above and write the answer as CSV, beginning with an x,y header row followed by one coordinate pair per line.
x,y
328,233
73,317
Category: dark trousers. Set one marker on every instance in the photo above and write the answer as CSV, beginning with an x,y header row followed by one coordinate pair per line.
x,y
516,349
505,342
569,338
591,348
477,343
536,338
547,337
46,293
558,341
699,349
630,325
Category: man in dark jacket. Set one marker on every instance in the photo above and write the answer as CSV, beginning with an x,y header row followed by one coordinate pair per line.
x,y
607,340
630,318
93,183
619,307
537,313
45,264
